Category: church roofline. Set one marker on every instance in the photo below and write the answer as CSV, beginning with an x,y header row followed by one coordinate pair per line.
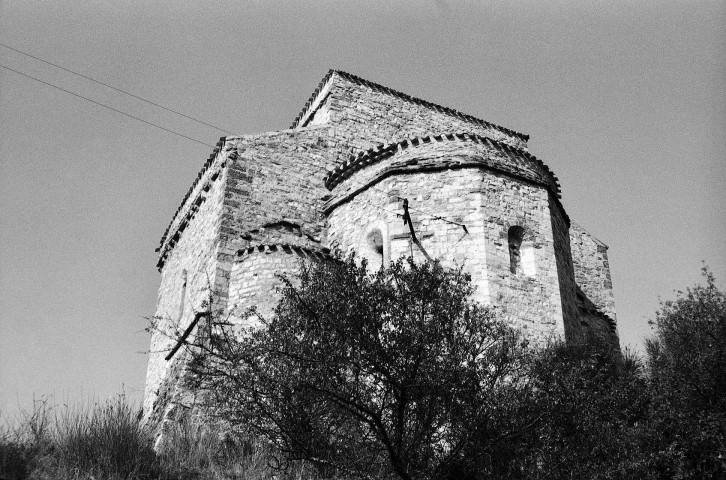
x,y
382,151
320,253
612,323
173,226
311,104
190,192
592,237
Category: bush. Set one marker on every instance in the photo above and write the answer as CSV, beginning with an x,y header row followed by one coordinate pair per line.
x,y
106,442
687,363
382,375
593,401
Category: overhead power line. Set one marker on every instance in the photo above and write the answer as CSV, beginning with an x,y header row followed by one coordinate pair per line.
x,y
106,106
436,217
115,88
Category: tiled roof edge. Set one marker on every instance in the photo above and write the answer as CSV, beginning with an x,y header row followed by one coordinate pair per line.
x,y
201,173
379,152
322,253
403,96
611,321
593,237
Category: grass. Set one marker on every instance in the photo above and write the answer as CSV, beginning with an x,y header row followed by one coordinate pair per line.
x,y
106,442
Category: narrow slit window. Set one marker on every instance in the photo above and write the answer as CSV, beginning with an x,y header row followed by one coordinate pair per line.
x,y
373,246
521,252
515,236
183,294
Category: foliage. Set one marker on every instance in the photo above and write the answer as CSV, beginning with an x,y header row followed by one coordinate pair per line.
x,y
392,374
687,362
398,374
106,439
106,442
594,401
21,445
606,418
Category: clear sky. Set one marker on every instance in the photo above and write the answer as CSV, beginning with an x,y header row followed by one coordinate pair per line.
x,y
624,100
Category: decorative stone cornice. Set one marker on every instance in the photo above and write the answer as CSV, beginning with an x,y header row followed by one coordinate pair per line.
x,y
395,93
604,316
187,209
373,155
319,254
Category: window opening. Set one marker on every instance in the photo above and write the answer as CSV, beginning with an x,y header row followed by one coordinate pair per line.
x,y
515,236
183,294
373,245
521,252
373,249
527,258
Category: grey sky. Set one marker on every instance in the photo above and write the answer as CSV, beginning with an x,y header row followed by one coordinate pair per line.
x,y
625,101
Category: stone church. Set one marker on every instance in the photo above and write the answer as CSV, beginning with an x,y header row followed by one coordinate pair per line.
x,y
358,158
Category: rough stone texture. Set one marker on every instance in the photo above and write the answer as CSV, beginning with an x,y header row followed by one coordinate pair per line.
x,y
365,114
533,303
568,286
255,278
262,203
592,269
462,181
596,325
195,252
272,195
445,151
452,194
595,299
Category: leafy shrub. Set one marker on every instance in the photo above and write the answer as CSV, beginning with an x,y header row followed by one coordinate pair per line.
x,y
365,375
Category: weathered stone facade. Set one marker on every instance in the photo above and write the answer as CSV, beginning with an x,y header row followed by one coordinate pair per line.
x,y
337,179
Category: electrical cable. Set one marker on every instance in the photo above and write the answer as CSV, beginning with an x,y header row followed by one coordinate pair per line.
x,y
106,106
413,209
115,88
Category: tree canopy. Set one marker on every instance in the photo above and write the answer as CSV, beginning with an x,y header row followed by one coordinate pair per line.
x,y
687,366
398,374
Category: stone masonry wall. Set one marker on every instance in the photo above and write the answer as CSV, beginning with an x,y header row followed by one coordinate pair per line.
x,y
488,203
592,269
260,206
448,193
361,116
595,326
531,302
192,257
437,152
566,275
254,280
273,194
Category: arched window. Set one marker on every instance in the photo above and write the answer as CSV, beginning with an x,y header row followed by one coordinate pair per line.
x,y
372,249
521,252
372,246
